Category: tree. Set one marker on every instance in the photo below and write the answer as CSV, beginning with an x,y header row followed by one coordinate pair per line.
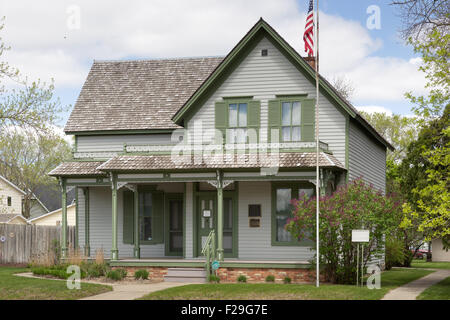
x,y
429,196
356,205
24,104
397,129
344,86
26,157
419,17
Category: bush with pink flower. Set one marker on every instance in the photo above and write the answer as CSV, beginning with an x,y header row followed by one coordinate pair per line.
x,y
356,205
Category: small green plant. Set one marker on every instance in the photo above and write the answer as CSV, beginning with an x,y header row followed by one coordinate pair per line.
x,y
270,278
242,278
213,278
287,280
114,275
141,274
123,272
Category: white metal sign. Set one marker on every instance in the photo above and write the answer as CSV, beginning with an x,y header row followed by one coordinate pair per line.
x,y
360,235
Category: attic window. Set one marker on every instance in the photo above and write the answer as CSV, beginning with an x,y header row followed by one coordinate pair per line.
x,y
9,202
264,52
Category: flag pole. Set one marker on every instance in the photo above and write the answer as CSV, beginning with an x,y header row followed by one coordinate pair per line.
x,y
317,144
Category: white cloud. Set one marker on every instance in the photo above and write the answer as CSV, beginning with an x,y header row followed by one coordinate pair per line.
x,y
44,47
373,109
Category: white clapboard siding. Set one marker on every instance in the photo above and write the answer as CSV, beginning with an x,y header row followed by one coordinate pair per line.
x,y
255,243
115,143
367,158
264,78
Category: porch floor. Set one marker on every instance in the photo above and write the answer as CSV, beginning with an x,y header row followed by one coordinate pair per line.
x,y
200,262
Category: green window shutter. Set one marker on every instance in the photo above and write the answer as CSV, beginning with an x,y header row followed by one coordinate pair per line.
x,y
274,116
221,115
308,116
254,117
157,217
128,217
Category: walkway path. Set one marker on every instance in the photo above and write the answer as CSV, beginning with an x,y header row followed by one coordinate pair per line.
x,y
121,291
411,290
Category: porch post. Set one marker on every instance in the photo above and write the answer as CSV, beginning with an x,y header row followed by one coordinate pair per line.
x,y
219,216
114,250
64,218
137,248
87,248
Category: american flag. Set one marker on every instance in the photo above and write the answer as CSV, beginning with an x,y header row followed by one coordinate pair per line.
x,y
308,36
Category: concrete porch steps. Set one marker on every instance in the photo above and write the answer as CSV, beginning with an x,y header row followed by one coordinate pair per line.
x,y
192,275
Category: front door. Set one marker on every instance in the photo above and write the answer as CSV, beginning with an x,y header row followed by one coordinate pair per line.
x,y
174,225
207,221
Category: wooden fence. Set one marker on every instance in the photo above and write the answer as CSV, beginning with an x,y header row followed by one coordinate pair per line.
x,y
19,243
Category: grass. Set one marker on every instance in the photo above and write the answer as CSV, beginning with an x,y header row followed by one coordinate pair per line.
x,y
439,291
260,291
430,265
19,288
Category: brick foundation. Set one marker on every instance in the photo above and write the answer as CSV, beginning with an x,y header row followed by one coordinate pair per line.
x,y
258,275
154,273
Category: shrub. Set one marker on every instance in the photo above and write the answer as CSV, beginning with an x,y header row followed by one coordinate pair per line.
x,y
242,278
287,280
123,272
141,274
395,253
114,275
353,206
59,271
99,256
270,278
213,278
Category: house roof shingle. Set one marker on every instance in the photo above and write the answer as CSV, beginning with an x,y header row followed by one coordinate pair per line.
x,y
165,162
138,94
77,168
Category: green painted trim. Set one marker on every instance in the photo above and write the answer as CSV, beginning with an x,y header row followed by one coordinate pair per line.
x,y
76,218
184,219
137,238
64,248
116,132
347,137
294,191
87,218
225,264
292,96
114,248
238,98
194,219
167,198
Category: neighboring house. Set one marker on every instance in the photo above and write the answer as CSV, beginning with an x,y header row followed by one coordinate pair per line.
x,y
11,203
145,189
438,251
12,219
54,218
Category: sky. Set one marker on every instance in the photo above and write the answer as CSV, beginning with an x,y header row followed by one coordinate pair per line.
x,y
358,42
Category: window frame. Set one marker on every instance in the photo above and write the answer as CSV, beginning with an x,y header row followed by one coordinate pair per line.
x,y
229,128
291,102
9,201
152,190
294,186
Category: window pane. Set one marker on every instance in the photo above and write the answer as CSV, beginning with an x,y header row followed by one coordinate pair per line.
x,y
283,213
241,135
286,134
286,114
145,212
296,135
296,114
309,192
242,115
231,135
232,115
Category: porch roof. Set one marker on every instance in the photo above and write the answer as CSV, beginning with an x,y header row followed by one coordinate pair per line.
x,y
249,161
78,168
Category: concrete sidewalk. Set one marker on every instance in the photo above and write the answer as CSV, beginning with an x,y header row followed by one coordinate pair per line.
x,y
411,291
121,291
133,291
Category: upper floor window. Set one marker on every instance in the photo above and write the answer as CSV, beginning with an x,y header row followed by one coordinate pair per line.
x,y
291,121
237,122
9,201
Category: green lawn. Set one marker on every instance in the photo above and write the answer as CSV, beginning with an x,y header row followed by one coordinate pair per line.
x,y
431,265
389,280
439,291
19,288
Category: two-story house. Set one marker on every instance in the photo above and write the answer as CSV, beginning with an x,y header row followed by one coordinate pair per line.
x,y
169,150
